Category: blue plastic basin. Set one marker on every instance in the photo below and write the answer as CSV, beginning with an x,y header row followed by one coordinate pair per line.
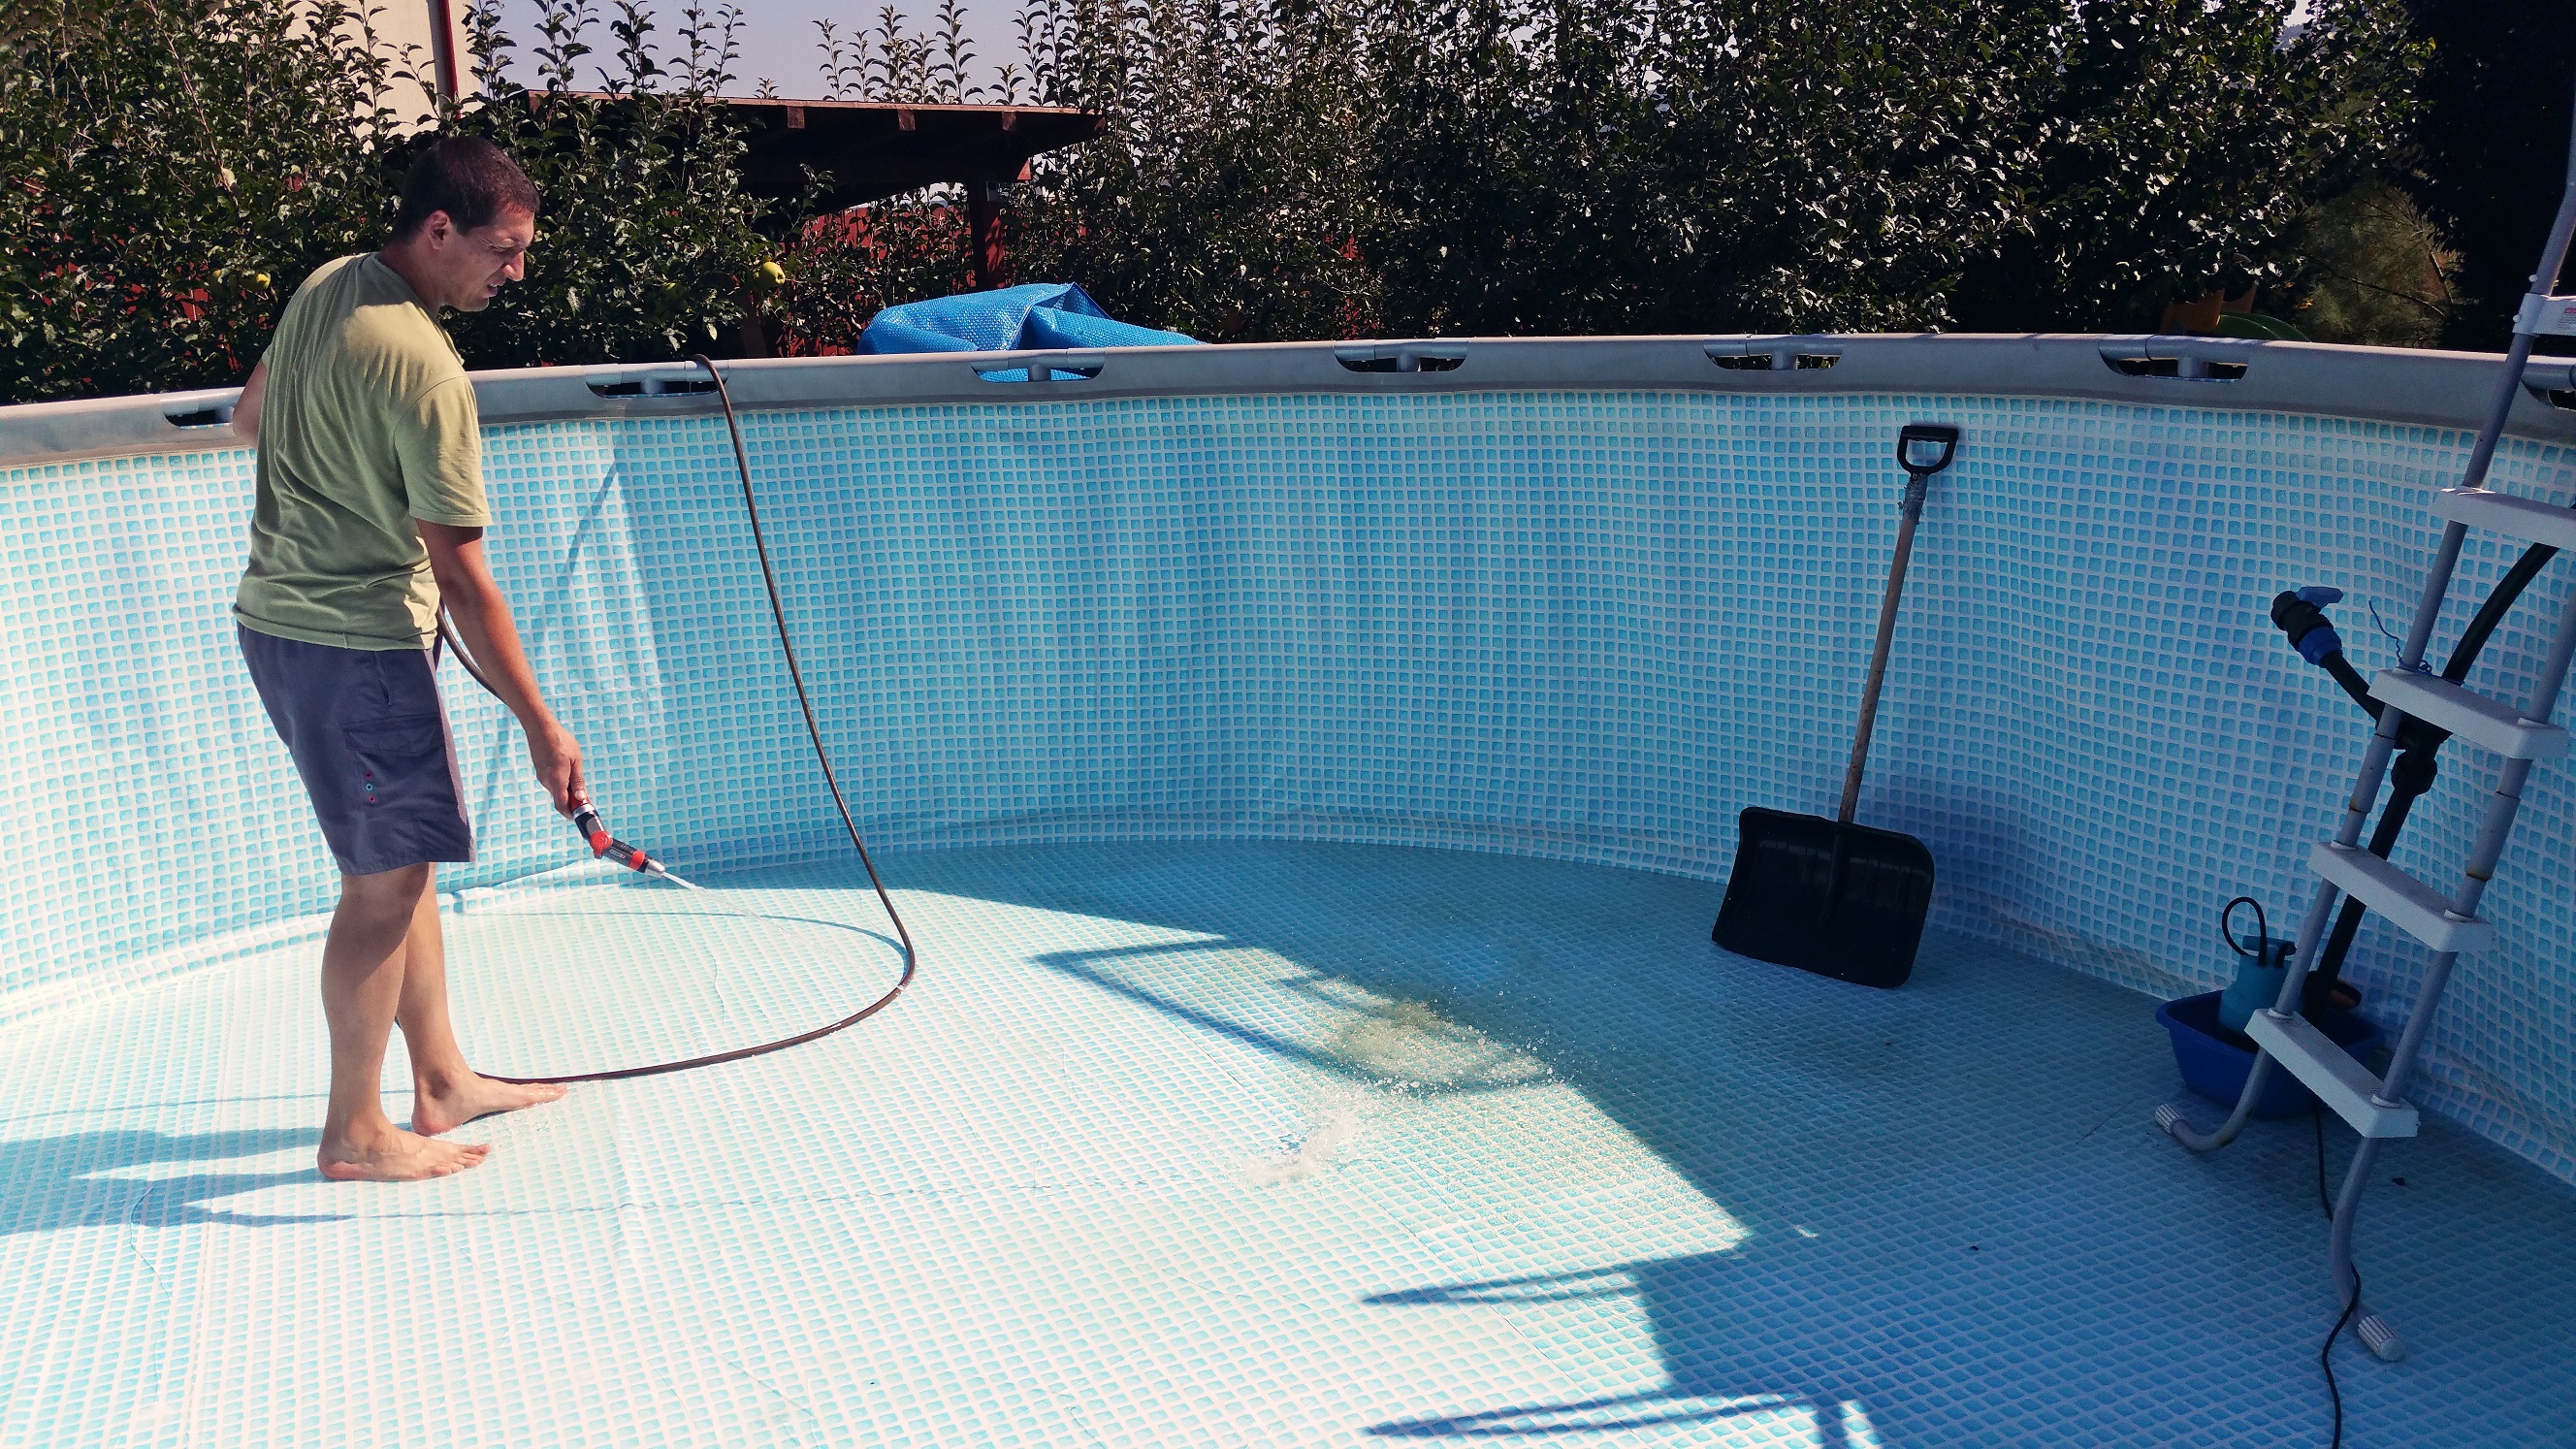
x,y
2216,1069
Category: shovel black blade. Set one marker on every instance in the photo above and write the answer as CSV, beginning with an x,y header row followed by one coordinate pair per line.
x,y
1844,901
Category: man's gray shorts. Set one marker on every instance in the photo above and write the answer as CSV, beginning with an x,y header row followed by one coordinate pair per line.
x,y
370,739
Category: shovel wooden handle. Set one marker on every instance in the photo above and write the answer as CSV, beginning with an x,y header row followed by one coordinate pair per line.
x,y
1917,484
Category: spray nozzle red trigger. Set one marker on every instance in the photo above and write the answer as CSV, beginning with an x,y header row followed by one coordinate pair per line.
x,y
594,830
609,847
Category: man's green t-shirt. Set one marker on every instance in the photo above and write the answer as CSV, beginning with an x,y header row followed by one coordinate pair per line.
x,y
368,423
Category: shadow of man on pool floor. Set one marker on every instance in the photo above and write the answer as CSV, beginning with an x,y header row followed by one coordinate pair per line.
x,y
91,1179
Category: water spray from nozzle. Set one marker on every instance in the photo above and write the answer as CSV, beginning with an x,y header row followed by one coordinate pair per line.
x,y
608,847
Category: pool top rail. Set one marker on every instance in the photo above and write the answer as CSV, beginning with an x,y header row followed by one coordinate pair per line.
x,y
2424,388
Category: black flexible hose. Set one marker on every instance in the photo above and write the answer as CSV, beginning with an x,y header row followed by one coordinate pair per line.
x,y
2415,768
813,732
2491,613
2409,779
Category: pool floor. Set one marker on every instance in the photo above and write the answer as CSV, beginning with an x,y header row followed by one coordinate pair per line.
x,y
1228,1143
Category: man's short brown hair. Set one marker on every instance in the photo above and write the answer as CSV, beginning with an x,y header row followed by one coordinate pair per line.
x,y
470,179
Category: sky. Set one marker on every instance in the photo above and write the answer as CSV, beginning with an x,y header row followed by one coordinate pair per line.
x,y
779,41
778,38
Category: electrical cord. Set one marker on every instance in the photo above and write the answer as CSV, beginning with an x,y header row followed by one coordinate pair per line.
x,y
822,756
2325,1355
2325,1202
2262,928
2414,775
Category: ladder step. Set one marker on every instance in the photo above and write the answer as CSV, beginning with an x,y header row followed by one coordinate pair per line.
x,y
2470,715
2545,316
2509,514
2408,903
2344,1085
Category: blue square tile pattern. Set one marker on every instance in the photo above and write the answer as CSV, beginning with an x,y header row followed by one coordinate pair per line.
x,y
1273,775
1228,1142
1590,626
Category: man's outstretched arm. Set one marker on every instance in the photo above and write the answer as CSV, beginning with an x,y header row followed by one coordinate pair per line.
x,y
482,619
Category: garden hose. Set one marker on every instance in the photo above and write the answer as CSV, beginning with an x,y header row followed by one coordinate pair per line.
x,y
593,829
2301,617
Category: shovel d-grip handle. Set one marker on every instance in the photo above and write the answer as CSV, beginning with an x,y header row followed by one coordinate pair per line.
x,y
1919,479
1918,483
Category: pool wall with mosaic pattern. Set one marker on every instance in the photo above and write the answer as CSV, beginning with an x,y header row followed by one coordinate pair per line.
x,y
1569,599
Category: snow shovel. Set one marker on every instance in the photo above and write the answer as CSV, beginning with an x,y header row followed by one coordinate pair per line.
x,y
1828,896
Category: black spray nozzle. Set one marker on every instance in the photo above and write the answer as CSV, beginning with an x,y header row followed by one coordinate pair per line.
x,y
2301,615
609,847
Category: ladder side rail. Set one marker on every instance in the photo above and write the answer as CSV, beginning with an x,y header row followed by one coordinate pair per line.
x,y
2497,827
2553,259
2375,1331
2365,786
2437,583
2446,559
2552,679
2311,929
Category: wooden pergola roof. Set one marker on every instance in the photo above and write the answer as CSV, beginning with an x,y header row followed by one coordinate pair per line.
x,y
872,150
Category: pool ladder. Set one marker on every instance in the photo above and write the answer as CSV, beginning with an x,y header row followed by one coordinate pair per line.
x,y
2520,736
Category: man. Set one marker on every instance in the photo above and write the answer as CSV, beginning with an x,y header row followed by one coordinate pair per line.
x,y
371,514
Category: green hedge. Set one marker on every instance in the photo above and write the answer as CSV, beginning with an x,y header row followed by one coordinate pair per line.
x,y
1565,166
1273,169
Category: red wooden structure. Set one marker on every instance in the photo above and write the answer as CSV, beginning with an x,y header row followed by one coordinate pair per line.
x,y
871,150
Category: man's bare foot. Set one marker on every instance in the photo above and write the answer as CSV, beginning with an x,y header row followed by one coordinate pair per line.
x,y
393,1155
443,1105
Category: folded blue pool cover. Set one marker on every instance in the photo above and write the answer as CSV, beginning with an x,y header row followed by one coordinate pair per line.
x,y
1036,316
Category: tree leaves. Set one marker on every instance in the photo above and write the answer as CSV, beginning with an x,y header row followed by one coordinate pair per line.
x,y
1271,169
1555,166
648,242
163,160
